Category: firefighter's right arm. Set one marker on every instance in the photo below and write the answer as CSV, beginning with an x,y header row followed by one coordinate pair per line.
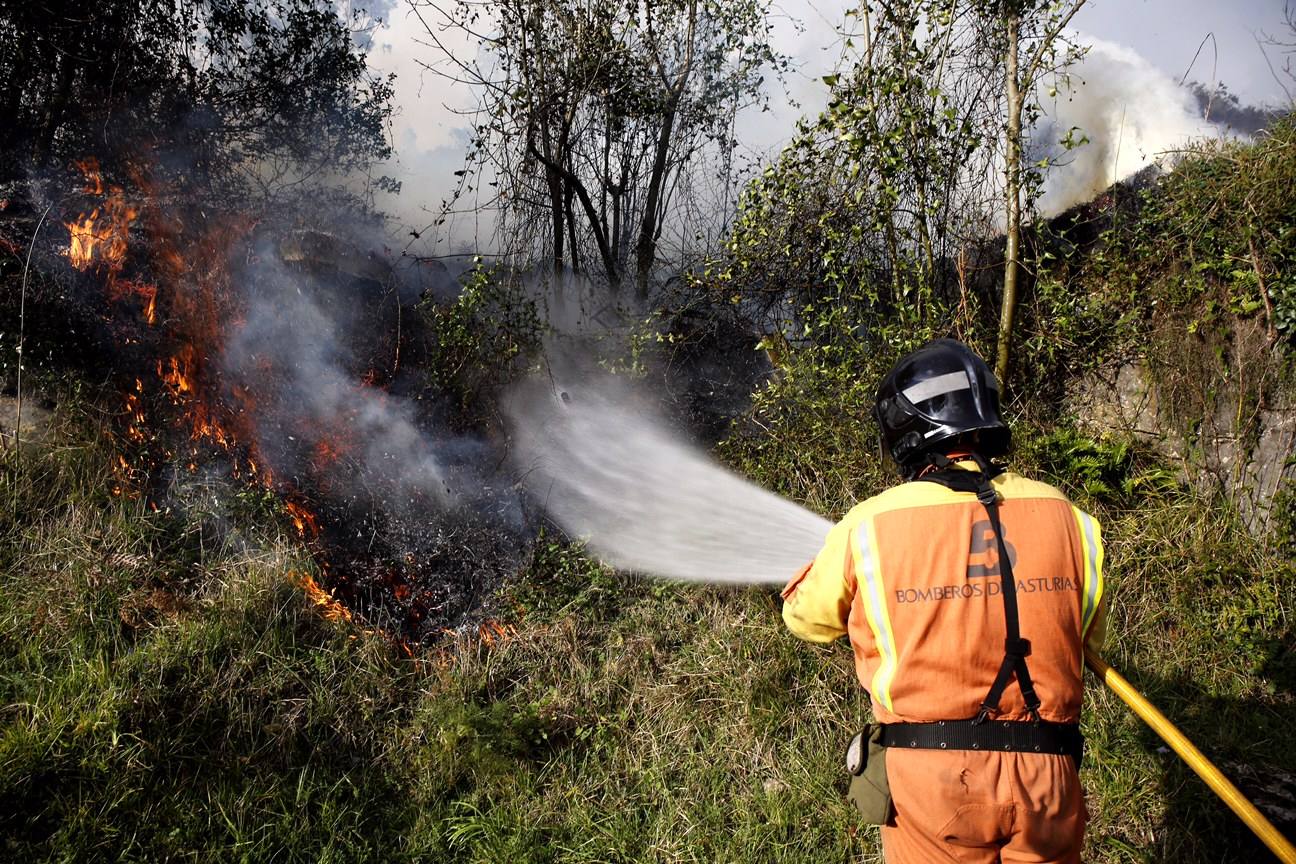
x,y
817,601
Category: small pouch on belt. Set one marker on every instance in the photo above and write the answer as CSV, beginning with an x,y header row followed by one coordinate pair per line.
x,y
869,790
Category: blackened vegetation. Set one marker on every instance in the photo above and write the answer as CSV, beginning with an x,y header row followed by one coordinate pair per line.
x,y
255,337
55,324
412,536
310,367
279,358
1221,105
709,366
411,547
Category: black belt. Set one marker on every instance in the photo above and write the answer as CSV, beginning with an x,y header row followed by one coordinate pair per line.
x,y
1019,736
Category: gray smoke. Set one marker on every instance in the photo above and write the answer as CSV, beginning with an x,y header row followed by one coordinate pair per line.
x,y
611,471
295,351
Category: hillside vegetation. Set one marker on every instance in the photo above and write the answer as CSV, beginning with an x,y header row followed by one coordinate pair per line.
x,y
171,693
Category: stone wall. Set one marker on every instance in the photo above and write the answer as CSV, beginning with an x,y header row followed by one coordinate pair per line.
x,y
1223,411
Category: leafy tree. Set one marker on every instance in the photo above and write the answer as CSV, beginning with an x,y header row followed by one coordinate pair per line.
x,y
1033,44
878,207
595,120
878,223
254,93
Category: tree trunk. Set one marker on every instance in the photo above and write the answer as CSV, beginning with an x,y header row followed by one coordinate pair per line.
x,y
573,252
54,110
927,263
553,179
620,218
591,213
1012,203
646,248
9,121
893,259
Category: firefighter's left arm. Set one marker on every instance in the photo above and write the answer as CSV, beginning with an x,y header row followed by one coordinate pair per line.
x,y
817,601
1095,582
1097,634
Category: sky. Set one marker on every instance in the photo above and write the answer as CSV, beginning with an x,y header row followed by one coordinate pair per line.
x,y
1167,33
1142,49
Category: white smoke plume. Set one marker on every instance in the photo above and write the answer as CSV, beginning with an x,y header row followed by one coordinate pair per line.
x,y
1133,114
613,472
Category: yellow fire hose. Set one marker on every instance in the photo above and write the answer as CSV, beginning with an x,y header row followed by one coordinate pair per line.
x,y
1218,783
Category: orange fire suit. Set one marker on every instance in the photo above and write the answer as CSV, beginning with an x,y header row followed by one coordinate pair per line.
x,y
912,576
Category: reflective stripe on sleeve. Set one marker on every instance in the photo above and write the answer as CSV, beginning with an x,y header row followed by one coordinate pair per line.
x,y
1090,536
875,608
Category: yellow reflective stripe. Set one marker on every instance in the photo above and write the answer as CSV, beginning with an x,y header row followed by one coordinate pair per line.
x,y
1090,539
875,609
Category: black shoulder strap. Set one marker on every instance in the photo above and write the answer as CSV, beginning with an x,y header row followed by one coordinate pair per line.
x,y
1016,649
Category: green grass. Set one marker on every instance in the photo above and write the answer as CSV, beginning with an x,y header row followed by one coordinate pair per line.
x,y
167,693
171,697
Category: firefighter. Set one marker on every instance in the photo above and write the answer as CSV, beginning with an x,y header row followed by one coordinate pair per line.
x,y
968,593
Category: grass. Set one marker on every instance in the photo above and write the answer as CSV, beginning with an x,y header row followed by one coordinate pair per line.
x,y
167,698
172,695
167,692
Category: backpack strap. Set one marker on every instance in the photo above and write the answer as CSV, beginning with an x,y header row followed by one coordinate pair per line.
x,y
1016,649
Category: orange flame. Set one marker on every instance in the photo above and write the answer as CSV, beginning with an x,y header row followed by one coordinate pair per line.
x,y
324,601
190,268
176,372
303,520
207,429
493,631
83,239
125,477
326,454
259,470
103,237
134,418
89,168
104,234
121,289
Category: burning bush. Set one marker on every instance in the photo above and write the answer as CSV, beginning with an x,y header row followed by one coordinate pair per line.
x,y
265,353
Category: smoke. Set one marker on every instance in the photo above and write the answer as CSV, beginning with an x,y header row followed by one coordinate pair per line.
x,y
300,352
1223,107
432,126
1132,113
431,130
609,469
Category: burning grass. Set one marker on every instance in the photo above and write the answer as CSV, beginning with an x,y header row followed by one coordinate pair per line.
x,y
169,706
246,353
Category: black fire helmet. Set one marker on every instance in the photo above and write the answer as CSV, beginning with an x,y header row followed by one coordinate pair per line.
x,y
932,397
